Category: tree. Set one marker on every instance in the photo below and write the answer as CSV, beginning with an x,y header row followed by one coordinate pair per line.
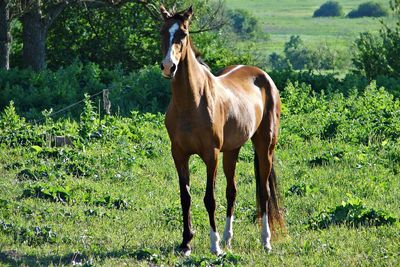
x,y
377,55
5,35
108,36
243,23
37,16
36,23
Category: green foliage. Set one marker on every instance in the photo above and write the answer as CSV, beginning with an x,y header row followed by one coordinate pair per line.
x,y
358,118
299,190
298,56
326,157
32,236
56,193
243,23
145,90
329,9
14,130
352,213
368,9
33,92
219,51
228,259
278,62
89,120
112,214
374,54
108,36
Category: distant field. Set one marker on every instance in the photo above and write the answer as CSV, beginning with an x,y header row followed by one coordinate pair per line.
x,y
281,19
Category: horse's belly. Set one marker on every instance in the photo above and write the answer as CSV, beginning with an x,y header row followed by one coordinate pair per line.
x,y
236,134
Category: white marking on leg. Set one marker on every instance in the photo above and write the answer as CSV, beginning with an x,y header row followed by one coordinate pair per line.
x,y
214,239
186,253
228,232
266,233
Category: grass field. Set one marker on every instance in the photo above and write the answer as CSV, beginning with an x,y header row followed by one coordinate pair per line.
x,y
113,200
281,19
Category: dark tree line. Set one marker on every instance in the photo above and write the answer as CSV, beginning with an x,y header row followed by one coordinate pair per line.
x,y
37,17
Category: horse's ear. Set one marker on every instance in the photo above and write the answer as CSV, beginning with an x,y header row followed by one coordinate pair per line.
x,y
164,12
187,14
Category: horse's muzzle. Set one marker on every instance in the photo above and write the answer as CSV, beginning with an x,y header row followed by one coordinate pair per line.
x,y
168,70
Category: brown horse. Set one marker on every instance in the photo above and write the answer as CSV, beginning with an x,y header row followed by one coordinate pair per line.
x,y
208,115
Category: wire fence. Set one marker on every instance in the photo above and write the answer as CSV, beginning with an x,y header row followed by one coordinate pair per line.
x,y
106,104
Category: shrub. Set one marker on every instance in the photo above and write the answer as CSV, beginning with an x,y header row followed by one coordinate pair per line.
x,y
368,9
219,51
243,23
278,62
357,118
329,9
301,57
32,92
352,213
375,55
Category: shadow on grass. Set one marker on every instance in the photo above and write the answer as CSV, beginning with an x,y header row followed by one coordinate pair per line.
x,y
15,258
150,256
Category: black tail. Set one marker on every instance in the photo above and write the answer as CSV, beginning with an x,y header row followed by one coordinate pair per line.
x,y
275,217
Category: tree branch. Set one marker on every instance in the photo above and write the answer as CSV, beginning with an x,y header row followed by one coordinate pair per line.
x,y
54,11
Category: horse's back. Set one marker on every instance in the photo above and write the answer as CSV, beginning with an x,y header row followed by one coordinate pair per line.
x,y
248,78
254,96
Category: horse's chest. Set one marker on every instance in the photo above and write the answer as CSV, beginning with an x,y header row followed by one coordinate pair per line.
x,y
190,132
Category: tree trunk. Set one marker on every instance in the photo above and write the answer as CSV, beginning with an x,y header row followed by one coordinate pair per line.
x,y
34,34
5,35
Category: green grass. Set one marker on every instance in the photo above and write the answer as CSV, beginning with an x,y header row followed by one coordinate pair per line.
x,y
131,162
281,19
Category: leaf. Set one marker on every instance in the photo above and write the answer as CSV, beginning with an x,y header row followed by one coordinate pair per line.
x,y
36,149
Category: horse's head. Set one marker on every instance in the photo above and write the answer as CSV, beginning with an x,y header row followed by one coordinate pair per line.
x,y
174,39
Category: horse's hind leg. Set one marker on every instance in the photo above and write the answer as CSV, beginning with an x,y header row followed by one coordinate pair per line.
x,y
264,146
229,162
182,166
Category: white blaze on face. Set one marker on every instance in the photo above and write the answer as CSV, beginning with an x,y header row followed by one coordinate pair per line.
x,y
266,233
214,240
170,59
228,232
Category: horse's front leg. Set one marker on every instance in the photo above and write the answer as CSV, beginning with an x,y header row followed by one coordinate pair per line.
x,y
211,161
181,160
229,162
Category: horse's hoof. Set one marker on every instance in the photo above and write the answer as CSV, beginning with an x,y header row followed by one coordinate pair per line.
x,y
186,252
268,248
217,252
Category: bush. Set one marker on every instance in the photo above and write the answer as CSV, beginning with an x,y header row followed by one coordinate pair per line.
x,y
357,118
32,92
243,23
375,55
329,9
278,62
301,57
368,9
219,51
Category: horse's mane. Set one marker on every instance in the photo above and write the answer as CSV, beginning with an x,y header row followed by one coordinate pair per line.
x,y
197,53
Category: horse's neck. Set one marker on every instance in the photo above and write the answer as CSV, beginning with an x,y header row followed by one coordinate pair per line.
x,y
190,82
